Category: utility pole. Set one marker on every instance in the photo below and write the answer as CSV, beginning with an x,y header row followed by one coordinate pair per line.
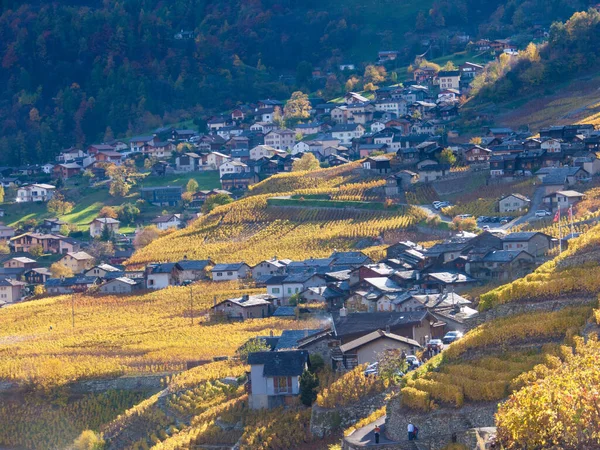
x,y
191,305
73,311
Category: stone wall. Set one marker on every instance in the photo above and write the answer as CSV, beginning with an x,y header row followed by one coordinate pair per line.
x,y
520,307
324,421
437,427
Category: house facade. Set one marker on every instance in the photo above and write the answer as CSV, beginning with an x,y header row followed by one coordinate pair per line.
x,y
100,223
35,193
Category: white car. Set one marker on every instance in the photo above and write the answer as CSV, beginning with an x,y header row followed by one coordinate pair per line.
x,y
542,213
372,369
464,216
413,361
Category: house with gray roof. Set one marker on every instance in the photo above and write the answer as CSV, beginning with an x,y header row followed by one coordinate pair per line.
x,y
245,307
275,377
230,272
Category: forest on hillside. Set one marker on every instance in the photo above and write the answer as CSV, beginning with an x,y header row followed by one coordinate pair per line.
x,y
82,71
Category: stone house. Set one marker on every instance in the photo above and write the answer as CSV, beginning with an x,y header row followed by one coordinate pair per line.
x,y
534,243
513,202
11,290
120,285
245,307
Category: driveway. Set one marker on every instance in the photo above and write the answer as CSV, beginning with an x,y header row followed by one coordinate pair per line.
x,y
364,437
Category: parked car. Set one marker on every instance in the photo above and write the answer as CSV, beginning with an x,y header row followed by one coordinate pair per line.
x,y
435,345
542,213
486,228
437,204
451,336
464,216
413,361
372,369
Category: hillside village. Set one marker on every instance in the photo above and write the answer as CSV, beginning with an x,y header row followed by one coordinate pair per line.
x,y
412,298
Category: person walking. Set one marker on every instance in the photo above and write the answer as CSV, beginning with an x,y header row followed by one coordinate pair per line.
x,y
411,431
377,430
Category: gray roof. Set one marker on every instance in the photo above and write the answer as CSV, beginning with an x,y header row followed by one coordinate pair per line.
x,y
247,301
280,364
384,284
522,236
228,267
191,264
375,335
164,267
502,256
368,322
451,277
289,338
285,311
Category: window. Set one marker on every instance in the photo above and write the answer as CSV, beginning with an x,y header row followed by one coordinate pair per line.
x,y
282,385
229,273
275,290
289,290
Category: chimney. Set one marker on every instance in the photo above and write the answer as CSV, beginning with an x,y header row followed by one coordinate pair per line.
x,y
185,257
387,329
343,312
271,333
245,297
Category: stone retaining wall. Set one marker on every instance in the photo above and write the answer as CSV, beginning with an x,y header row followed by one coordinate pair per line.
x,y
437,426
324,421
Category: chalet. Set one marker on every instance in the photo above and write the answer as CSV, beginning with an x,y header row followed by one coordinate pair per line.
x,y
69,155
283,287
49,243
66,170
562,200
188,162
160,150
94,149
103,271
100,223
11,291
352,97
110,157
468,71
242,181
6,233
120,285
139,143
228,272
216,123
237,114
424,74
215,159
78,261
432,172
19,262
162,275
534,243
501,265
194,270
162,195
35,193
346,133
167,221
308,128
37,275
378,164
246,307
275,377
183,135
372,347
477,153
513,202
233,167
269,268
52,225
72,285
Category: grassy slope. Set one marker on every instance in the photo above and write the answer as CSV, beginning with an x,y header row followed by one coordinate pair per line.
x,y
93,199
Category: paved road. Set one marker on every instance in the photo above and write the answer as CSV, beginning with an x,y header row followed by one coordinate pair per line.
x,y
364,437
536,203
431,211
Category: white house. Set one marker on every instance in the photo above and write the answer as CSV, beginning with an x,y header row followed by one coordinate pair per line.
x,y
35,193
228,272
346,132
270,267
371,347
275,377
160,276
121,285
551,145
215,159
283,287
166,221
48,168
99,223
280,139
300,147
11,290
232,167
262,151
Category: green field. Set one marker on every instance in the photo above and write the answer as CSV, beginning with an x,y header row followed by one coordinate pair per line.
x,y
91,201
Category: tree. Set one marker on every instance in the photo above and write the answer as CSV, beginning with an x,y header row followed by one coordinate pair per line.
x,y
351,83
88,440
297,107
59,270
449,66
392,365
57,205
1,194
4,248
127,213
67,228
278,118
108,211
39,290
458,224
192,186
374,74
215,200
370,87
303,72
36,251
332,86
307,162
447,156
309,383
252,346
107,234
146,236
101,250
476,140
187,198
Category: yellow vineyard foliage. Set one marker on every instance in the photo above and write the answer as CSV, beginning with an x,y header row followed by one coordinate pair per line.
x,y
350,388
